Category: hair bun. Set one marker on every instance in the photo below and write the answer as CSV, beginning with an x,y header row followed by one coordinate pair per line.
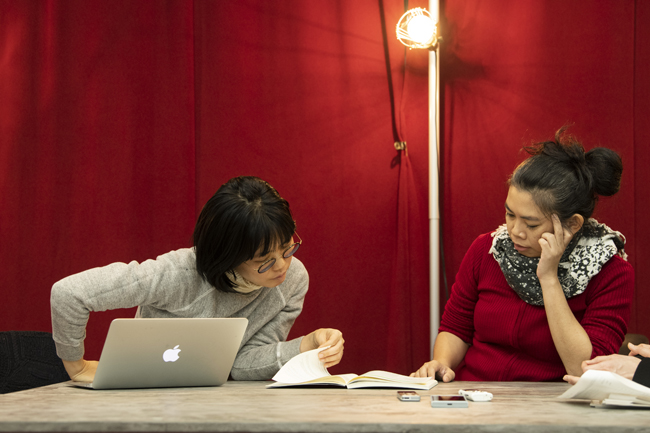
x,y
606,168
564,179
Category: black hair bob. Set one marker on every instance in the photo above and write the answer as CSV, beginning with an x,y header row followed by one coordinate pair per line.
x,y
565,180
245,215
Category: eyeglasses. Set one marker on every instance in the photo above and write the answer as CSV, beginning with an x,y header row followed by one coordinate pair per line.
x,y
286,254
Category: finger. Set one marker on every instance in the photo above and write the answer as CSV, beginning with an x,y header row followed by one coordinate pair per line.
x,y
568,235
327,347
570,379
333,362
558,230
421,372
336,357
448,375
643,349
633,349
604,366
329,337
334,346
334,349
596,360
320,337
543,242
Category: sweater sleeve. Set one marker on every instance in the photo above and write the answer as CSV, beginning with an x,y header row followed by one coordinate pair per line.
x,y
118,285
642,373
608,306
267,350
458,317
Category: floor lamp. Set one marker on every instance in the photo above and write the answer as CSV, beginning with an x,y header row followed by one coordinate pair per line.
x,y
418,28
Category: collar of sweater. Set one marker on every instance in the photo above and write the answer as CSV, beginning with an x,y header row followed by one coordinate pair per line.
x,y
242,285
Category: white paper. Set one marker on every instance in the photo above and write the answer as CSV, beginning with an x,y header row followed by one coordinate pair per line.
x,y
598,385
303,367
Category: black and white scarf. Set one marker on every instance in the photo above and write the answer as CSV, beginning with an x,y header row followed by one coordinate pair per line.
x,y
591,247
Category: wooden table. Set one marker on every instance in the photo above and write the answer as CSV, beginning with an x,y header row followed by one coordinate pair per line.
x,y
249,406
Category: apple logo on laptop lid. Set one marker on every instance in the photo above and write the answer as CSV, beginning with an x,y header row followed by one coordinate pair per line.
x,y
171,355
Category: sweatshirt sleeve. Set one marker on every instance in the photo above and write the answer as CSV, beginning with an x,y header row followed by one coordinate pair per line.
x,y
267,350
608,307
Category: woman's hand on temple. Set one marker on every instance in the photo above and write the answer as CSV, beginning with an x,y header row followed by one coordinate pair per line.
x,y
322,338
81,370
436,370
553,246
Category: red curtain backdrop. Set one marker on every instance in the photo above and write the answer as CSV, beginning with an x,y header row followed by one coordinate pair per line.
x,y
640,163
96,141
119,119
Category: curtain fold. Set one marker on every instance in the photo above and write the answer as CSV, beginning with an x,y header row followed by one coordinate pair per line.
x,y
408,331
97,144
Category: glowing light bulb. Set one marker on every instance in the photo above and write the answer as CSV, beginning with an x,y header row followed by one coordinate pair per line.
x,y
421,29
417,29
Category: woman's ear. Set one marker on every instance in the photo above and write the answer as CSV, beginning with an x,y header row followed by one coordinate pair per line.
x,y
575,223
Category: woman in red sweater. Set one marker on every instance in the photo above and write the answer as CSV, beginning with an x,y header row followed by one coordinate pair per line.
x,y
551,287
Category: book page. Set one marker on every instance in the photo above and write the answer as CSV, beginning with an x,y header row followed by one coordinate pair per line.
x,y
302,368
379,375
339,380
598,385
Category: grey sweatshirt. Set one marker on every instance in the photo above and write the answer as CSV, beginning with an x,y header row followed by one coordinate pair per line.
x,y
170,286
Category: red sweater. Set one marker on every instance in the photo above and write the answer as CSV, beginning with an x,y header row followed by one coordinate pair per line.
x,y
509,339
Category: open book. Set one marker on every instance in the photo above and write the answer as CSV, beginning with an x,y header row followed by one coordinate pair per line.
x,y
610,389
306,369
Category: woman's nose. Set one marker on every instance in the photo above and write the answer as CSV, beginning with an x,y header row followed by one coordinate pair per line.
x,y
280,263
519,231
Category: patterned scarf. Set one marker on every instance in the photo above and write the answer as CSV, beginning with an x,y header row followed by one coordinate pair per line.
x,y
591,247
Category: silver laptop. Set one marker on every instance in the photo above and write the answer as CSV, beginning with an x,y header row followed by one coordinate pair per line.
x,y
161,353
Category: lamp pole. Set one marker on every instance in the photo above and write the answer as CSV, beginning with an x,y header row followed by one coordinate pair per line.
x,y
434,210
414,29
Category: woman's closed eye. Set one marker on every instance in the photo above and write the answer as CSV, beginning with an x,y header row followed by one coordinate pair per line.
x,y
270,256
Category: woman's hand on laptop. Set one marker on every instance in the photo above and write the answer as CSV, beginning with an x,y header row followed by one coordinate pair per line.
x,y
322,338
81,370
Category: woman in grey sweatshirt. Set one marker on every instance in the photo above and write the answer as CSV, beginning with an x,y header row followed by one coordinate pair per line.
x,y
241,265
